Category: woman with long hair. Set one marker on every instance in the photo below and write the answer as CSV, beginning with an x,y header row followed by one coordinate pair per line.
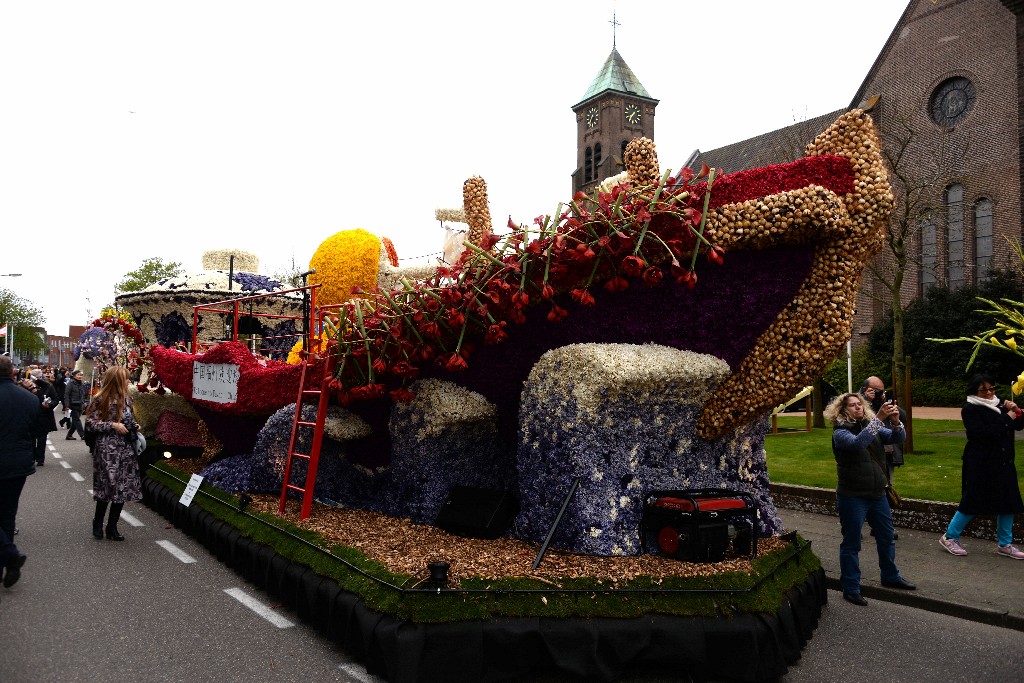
x,y
988,483
115,470
858,440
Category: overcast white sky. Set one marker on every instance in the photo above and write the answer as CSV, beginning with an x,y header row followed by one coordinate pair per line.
x,y
131,129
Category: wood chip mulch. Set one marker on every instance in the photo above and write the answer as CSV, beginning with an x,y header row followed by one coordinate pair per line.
x,y
406,548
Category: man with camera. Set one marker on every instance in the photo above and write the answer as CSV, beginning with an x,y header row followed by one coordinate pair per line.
x,y
873,391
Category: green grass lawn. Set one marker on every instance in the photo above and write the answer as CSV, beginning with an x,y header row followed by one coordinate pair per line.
x,y
931,472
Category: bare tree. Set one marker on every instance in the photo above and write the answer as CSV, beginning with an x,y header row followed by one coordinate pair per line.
x,y
921,165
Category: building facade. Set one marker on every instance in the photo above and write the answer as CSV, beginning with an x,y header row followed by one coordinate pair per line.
x,y
947,93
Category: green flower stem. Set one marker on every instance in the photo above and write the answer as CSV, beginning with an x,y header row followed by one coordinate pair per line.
x,y
366,338
703,217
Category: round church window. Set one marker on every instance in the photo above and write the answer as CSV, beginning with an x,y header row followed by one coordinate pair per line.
x,y
952,101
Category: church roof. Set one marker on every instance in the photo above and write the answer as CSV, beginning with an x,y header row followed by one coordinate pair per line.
x,y
616,75
777,147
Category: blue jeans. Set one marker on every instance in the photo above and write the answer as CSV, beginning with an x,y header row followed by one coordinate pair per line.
x,y
853,510
1004,527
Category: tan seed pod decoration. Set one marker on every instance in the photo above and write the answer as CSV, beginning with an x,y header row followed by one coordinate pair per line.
x,y
474,204
641,161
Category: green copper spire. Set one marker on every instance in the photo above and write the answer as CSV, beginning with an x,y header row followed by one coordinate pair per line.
x,y
616,75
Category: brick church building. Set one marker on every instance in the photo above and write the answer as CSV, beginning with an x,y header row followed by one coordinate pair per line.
x,y
947,92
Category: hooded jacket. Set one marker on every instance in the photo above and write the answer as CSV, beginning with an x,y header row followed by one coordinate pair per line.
x,y
860,456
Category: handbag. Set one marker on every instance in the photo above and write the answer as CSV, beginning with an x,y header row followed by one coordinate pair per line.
x,y
894,498
137,441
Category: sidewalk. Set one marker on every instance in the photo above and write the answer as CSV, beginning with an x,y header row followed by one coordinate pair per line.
x,y
981,586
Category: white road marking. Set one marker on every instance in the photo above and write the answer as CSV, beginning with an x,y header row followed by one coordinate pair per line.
x,y
131,519
77,477
259,608
50,446
65,464
58,456
359,673
176,551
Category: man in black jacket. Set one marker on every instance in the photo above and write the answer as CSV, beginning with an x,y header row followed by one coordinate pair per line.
x,y
48,400
20,424
76,395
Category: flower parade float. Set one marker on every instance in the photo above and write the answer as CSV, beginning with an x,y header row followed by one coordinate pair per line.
x,y
635,341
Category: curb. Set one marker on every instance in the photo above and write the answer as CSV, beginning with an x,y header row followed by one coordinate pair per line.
x,y
990,617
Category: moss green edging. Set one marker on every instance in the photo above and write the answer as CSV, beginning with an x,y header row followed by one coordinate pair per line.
x,y
383,591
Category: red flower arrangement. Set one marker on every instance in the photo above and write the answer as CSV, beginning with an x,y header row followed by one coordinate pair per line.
x,y
264,386
124,327
610,238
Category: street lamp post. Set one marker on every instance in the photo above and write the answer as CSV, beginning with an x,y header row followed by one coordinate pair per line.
x,y
9,336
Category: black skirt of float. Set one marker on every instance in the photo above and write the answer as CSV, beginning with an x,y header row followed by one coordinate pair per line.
x,y
742,647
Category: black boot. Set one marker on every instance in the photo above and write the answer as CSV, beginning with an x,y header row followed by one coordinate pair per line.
x,y
115,514
97,520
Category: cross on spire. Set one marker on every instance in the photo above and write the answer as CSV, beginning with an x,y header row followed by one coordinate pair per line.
x,y
614,24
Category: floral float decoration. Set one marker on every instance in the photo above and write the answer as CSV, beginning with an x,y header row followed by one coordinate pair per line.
x,y
111,339
811,224
164,310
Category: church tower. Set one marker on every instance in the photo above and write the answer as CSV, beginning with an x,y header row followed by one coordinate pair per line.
x,y
615,109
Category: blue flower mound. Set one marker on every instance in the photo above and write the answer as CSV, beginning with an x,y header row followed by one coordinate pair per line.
x,y
632,449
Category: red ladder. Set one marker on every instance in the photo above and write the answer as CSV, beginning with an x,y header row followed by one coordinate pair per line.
x,y
307,392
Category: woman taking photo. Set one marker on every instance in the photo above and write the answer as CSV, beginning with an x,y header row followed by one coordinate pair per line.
x,y
115,470
858,442
988,484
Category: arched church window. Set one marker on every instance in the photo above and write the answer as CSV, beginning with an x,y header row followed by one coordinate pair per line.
x,y
597,161
955,236
622,152
588,165
983,238
928,255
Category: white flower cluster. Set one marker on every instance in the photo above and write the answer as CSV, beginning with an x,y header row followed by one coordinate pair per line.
x,y
608,183
389,277
450,215
441,405
220,259
594,374
342,425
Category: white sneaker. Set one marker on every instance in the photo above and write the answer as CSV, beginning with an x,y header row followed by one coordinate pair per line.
x,y
952,546
1009,551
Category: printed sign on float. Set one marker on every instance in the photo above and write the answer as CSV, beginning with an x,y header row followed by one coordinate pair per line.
x,y
216,382
190,490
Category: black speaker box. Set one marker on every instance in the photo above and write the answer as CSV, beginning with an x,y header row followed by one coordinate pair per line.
x,y
477,513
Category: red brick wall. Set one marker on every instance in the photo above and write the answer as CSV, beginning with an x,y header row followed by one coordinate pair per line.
x,y
976,39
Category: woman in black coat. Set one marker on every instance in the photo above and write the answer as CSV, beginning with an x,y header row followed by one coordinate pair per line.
x,y
989,476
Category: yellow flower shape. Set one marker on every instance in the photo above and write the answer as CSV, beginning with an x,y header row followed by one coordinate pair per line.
x,y
294,356
1018,386
1011,342
345,260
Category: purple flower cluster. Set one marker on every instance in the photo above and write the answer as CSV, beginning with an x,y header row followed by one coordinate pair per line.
x,y
94,343
251,282
172,328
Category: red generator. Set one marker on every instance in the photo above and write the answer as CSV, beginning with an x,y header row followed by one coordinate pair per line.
x,y
697,525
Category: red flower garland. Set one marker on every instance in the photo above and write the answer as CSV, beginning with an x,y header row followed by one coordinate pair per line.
x,y
608,238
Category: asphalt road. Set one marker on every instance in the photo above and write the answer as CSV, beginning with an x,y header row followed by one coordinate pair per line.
x,y
88,610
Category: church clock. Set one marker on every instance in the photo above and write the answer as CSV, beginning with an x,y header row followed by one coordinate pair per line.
x,y
632,112
593,117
